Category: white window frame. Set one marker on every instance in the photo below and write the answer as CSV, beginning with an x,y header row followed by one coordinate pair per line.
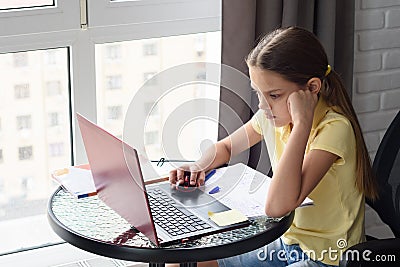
x,y
105,12
34,20
61,26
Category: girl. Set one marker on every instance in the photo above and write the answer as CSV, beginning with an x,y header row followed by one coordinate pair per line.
x,y
316,149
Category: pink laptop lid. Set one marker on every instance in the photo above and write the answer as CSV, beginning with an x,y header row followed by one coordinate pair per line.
x,y
119,186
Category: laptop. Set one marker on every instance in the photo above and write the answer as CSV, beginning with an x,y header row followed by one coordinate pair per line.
x,y
164,214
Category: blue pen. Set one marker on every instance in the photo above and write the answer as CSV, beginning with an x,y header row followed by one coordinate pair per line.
x,y
214,190
208,176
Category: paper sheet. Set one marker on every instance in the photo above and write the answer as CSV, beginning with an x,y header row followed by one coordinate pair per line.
x,y
77,181
242,188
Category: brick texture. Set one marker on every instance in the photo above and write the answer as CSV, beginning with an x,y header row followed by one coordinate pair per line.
x,y
391,60
393,18
376,90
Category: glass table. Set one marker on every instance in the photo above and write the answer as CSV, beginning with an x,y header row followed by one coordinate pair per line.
x,y
89,224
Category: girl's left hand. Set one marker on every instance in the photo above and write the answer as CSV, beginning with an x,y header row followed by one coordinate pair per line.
x,y
301,105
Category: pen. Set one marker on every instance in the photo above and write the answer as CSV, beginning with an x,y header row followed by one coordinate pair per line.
x,y
208,176
214,190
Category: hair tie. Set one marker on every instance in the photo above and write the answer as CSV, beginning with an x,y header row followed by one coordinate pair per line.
x,y
328,70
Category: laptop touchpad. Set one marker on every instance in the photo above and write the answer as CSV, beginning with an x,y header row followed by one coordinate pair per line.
x,y
190,197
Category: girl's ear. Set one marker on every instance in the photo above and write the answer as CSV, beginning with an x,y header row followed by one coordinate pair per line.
x,y
314,85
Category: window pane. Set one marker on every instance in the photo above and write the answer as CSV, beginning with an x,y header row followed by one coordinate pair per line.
x,y
126,66
34,140
7,4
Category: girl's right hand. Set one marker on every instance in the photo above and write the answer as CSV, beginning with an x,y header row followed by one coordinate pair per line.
x,y
197,175
301,105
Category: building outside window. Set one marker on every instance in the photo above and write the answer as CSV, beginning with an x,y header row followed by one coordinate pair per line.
x,y
50,57
21,91
25,153
24,122
54,119
113,52
150,49
114,112
20,59
56,149
114,82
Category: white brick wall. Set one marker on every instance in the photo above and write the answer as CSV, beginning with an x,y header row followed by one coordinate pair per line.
x,y
376,91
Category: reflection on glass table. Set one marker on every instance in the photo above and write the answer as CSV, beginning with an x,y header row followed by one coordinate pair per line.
x,y
89,224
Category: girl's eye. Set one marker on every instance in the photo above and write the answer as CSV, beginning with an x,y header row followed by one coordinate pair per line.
x,y
273,96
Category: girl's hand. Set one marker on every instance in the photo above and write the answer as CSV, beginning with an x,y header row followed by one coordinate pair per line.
x,y
301,106
197,175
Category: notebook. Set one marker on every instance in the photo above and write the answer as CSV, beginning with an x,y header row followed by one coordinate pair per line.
x,y
160,211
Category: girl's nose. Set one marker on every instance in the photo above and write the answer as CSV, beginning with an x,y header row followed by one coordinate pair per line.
x,y
263,104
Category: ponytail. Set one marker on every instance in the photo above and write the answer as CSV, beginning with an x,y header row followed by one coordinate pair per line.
x,y
335,94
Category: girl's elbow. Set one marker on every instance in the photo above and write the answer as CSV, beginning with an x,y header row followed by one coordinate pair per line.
x,y
276,211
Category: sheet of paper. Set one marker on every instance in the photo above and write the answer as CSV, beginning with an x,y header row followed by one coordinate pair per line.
x,y
77,181
242,188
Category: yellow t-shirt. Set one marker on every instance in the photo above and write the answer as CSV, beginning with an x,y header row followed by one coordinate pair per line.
x,y
336,220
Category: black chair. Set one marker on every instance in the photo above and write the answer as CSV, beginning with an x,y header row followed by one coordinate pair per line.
x,y
386,166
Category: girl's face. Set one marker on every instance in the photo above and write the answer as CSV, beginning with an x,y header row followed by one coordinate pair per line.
x,y
273,92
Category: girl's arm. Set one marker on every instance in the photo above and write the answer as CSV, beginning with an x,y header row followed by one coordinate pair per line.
x,y
218,154
297,175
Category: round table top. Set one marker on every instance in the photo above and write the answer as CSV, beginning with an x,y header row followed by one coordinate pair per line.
x,y
89,224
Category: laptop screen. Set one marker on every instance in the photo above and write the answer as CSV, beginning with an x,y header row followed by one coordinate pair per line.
x,y
118,186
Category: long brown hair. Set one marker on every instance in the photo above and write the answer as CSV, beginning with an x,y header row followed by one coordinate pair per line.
x,y
298,56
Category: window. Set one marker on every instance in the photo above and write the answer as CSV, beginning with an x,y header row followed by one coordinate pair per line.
x,y
20,59
7,4
114,82
21,91
150,68
24,122
25,153
114,112
56,149
50,57
26,156
96,72
26,184
114,52
149,49
53,119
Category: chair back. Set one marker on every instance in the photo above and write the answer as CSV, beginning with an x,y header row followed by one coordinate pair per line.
x,y
386,167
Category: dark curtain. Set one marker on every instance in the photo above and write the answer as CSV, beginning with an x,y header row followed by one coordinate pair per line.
x,y
244,22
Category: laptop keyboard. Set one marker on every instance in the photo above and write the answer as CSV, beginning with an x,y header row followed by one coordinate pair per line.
x,y
173,220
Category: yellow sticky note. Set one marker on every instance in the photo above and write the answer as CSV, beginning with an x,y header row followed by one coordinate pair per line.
x,y
227,217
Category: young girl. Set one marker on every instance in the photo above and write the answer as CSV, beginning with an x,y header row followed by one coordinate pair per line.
x,y
316,149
